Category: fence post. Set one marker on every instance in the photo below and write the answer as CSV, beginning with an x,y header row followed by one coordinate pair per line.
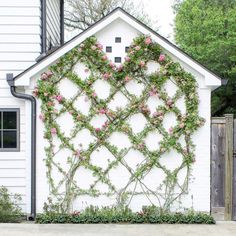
x,y
228,166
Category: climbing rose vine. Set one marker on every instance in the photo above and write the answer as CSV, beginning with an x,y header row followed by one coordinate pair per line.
x,y
90,53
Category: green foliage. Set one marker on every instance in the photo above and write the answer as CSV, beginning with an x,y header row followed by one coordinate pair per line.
x,y
90,54
9,209
206,30
149,214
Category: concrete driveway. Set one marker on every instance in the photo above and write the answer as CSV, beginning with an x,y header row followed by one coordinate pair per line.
x,y
26,229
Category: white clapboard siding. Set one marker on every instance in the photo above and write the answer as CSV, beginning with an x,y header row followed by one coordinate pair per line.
x,y
12,163
5,173
11,156
20,3
4,72
22,29
17,190
15,65
20,47
22,20
20,38
18,56
12,181
14,11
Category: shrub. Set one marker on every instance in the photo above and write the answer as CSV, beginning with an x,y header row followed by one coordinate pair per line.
x,y
9,210
151,214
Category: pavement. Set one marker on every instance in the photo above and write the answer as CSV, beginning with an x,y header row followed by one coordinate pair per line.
x,y
26,229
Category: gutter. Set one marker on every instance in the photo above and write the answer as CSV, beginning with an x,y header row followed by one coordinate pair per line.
x,y
30,98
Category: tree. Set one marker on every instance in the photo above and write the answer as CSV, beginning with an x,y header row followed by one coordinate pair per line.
x,y
84,13
206,30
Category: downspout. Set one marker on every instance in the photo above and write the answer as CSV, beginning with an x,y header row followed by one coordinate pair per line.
x,y
43,27
30,98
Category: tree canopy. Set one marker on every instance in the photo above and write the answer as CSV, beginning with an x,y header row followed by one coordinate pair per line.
x,y
206,30
84,13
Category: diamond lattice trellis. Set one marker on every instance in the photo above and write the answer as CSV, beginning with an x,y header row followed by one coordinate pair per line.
x,y
81,117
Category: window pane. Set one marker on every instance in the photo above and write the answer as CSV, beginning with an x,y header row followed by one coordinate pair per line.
x,y
0,139
108,49
9,139
118,59
118,39
9,120
0,120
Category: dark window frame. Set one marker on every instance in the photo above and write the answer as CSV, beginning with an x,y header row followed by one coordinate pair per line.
x,y
117,39
17,149
118,58
109,49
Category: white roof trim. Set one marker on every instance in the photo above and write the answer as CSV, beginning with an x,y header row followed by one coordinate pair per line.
x,y
23,79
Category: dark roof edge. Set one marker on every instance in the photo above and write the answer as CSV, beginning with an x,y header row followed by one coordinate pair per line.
x,y
133,18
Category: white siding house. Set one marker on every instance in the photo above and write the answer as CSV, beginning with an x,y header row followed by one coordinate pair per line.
x,y
15,167
20,46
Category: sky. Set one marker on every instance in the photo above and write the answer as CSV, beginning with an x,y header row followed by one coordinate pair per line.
x,y
159,11
162,12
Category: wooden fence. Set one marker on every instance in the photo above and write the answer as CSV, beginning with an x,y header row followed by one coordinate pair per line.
x,y
223,167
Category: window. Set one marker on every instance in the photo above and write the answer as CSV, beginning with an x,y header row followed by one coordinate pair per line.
x,y
118,59
126,49
118,39
109,49
9,129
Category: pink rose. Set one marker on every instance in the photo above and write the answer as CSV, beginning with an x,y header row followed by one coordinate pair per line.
x,y
148,41
94,94
44,76
59,98
181,125
104,57
137,48
153,92
36,92
42,117
169,102
142,63
99,46
106,76
127,78
127,59
120,68
161,117
111,64
102,111
53,131
94,47
77,153
49,74
55,111
50,104
97,129
155,114
162,57
171,130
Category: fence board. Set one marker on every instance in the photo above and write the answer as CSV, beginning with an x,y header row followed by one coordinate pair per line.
x,y
217,166
234,179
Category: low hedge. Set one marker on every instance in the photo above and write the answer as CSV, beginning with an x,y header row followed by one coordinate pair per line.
x,y
111,215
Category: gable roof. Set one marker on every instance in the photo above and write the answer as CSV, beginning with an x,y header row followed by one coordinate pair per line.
x,y
211,79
